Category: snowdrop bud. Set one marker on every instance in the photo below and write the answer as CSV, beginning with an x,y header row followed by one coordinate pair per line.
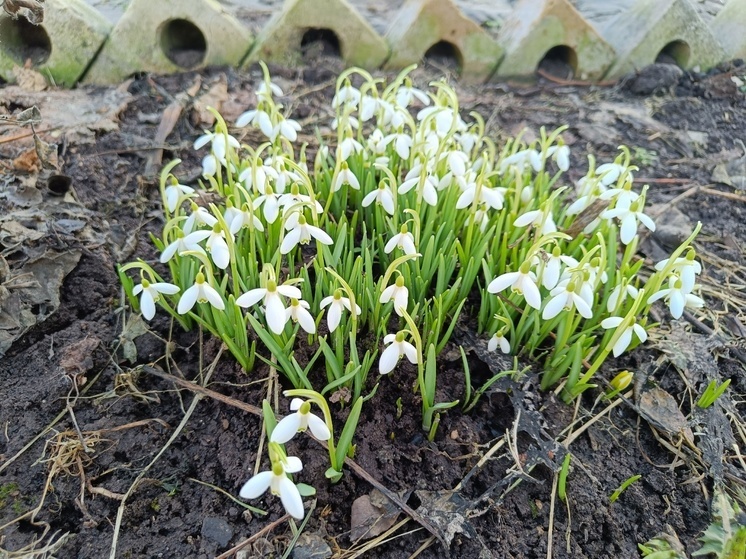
x,y
527,194
622,380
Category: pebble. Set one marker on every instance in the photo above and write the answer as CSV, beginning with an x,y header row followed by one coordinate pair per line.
x,y
216,530
311,546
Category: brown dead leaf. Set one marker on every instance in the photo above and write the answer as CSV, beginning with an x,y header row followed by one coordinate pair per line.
x,y
661,410
29,79
212,98
371,516
27,162
76,358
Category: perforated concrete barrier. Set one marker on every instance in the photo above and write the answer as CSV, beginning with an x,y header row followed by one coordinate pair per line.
x,y
540,28
422,25
61,48
670,30
729,27
335,21
170,36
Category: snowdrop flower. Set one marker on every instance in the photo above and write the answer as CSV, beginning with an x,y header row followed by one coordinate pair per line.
x,y
271,203
174,191
266,92
442,118
403,240
258,119
561,156
687,269
628,217
677,297
491,197
564,297
624,196
499,340
398,348
200,292
151,293
184,243
626,337
284,176
337,304
348,121
610,173
406,93
551,266
521,160
523,282
209,166
301,232
345,176
537,218
277,481
381,195
271,296
238,219
397,292
467,141
368,106
298,311
298,422
402,144
295,197
482,217
347,147
619,295
199,216
286,128
347,95
256,176
457,162
218,247
426,187
377,143
218,146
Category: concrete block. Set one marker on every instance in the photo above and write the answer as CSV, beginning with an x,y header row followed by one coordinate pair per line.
x,y
422,24
537,27
668,28
729,27
169,36
281,39
61,47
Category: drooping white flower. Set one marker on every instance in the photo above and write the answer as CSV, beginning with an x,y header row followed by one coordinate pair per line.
x,y
200,216
258,118
403,240
345,176
271,202
677,297
381,195
686,267
561,156
564,297
426,186
337,303
368,106
397,292
174,191
347,147
406,93
619,295
295,197
245,217
396,350
298,312
402,144
626,336
298,422
286,128
523,281
551,266
183,243
256,177
347,95
457,162
624,197
200,292
541,219
302,232
521,160
264,91
499,340
377,143
628,218
218,247
492,197
277,481
609,173
150,294
274,308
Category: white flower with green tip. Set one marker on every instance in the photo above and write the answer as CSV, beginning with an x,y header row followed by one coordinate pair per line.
x,y
150,293
499,340
183,243
277,481
258,119
426,187
677,297
337,304
218,247
620,294
523,282
174,193
564,297
298,312
200,292
398,348
302,232
686,267
403,240
200,216
628,217
397,292
286,128
298,422
274,308
544,221
626,336
345,176
561,156
382,196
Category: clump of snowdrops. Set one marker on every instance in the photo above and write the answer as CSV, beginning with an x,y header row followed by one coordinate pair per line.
x,y
369,252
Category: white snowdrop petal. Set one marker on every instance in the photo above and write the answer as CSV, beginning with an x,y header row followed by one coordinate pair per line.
x,y
504,345
286,429
370,198
611,322
503,282
147,305
400,299
386,199
531,293
391,244
306,321
642,335
389,359
275,314
676,303
334,316
411,352
492,344
293,465
629,228
289,291
187,300
318,428
583,308
251,297
527,218
291,239
623,342
554,306
407,243
320,235
220,253
291,499
256,485
213,297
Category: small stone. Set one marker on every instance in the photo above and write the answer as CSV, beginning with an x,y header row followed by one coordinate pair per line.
x,y
216,530
655,78
311,546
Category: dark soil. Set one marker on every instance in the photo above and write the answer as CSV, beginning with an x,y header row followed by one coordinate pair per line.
x,y
170,514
